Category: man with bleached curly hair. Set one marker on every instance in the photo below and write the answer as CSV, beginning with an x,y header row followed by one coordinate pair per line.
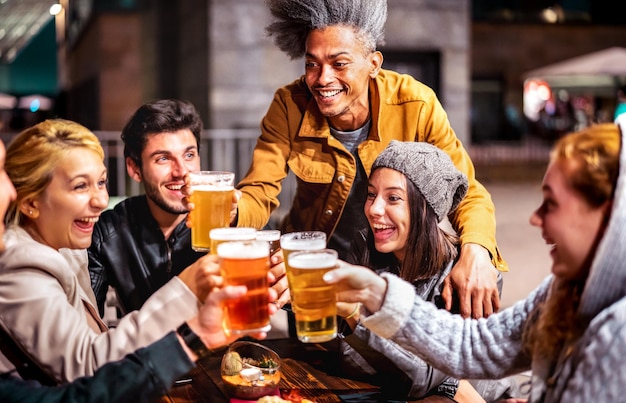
x,y
329,125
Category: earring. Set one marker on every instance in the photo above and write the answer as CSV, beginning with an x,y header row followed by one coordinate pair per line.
x,y
30,212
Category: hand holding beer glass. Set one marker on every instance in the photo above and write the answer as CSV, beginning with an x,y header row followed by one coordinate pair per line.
x,y
212,196
246,263
314,301
311,299
277,265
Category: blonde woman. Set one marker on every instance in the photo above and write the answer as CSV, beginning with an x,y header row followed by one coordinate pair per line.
x,y
47,306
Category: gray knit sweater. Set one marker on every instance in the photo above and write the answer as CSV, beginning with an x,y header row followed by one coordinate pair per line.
x,y
492,347
405,369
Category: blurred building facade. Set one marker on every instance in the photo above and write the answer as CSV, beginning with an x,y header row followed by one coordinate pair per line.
x,y
512,37
216,55
113,55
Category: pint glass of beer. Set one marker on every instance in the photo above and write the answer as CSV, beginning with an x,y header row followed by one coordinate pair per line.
x,y
246,263
212,197
270,235
227,234
313,300
304,240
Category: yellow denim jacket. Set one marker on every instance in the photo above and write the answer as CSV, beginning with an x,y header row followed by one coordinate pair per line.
x,y
295,136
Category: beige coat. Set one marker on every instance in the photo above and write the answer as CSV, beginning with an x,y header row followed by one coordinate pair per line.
x,y
49,309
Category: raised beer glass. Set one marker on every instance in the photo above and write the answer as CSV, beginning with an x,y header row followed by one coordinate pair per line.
x,y
212,198
313,301
246,263
270,235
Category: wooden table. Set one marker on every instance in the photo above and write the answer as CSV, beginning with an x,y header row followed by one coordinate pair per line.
x,y
308,370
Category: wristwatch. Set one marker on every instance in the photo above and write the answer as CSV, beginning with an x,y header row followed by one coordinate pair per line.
x,y
448,388
192,340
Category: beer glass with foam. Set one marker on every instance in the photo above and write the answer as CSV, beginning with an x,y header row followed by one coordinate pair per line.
x,y
303,240
212,198
246,263
227,234
272,236
313,300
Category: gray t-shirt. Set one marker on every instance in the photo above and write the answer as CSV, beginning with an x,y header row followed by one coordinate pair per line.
x,y
352,219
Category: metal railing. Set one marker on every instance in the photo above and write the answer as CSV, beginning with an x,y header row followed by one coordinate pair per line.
x,y
223,149
231,150
220,149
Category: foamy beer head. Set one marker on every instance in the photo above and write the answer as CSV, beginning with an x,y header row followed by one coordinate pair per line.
x,y
321,259
304,240
312,299
227,234
246,263
212,198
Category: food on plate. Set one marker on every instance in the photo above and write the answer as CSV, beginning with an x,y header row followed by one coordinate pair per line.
x,y
232,363
250,371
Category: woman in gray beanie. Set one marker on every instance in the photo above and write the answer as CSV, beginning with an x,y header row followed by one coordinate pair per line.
x,y
413,186
571,330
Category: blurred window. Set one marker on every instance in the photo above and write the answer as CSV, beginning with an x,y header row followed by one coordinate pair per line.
x,y
548,11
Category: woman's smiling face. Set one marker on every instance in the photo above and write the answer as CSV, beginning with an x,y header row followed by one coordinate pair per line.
x,y
63,216
387,211
568,223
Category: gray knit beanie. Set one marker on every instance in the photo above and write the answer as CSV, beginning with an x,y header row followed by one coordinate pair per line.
x,y
430,169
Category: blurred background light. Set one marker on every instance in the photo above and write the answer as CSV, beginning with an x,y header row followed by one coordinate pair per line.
x,y
55,9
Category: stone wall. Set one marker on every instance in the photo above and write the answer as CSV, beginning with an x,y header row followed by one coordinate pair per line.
x,y
104,77
216,55
443,26
246,68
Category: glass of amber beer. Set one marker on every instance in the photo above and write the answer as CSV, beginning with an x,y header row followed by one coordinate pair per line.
x,y
227,234
313,300
212,198
246,263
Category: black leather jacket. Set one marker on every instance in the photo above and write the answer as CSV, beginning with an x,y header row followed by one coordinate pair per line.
x,y
129,253
147,374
